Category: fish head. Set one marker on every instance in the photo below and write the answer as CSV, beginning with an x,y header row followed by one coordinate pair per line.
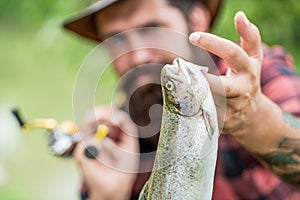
x,y
184,87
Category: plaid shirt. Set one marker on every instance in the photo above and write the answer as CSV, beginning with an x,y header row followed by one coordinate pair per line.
x,y
239,176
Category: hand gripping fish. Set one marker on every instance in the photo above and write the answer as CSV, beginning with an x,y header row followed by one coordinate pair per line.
x,y
187,150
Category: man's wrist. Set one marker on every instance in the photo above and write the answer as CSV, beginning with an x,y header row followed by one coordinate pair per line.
x,y
263,130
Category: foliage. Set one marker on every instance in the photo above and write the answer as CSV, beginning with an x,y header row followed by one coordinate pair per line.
x,y
277,20
37,11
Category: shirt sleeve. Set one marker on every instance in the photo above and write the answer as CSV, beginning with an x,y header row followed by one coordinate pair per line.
x,y
279,79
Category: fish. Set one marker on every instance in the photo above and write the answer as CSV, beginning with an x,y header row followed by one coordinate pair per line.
x,y
186,155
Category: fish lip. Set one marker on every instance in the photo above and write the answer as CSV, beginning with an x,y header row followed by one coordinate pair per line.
x,y
183,70
178,71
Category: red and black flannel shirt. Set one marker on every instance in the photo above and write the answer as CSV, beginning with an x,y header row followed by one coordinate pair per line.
x,y
239,176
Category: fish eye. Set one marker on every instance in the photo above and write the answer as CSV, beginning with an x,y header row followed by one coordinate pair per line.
x,y
170,85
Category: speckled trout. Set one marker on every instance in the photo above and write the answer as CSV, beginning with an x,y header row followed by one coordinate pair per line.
x,y
185,160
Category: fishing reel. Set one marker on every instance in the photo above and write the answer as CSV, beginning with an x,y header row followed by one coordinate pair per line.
x,y
62,138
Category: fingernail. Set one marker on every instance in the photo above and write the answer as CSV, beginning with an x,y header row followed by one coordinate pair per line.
x,y
245,18
194,37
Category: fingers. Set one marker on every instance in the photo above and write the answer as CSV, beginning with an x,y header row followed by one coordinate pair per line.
x,y
129,143
111,117
78,152
111,156
123,157
85,163
235,56
250,36
227,85
103,114
114,153
232,53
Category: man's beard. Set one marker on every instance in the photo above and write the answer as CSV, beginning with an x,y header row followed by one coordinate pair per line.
x,y
143,94
143,103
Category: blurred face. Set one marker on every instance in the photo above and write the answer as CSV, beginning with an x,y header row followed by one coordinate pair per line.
x,y
144,35
137,21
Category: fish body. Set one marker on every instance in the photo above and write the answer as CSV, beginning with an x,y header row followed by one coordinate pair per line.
x,y
185,160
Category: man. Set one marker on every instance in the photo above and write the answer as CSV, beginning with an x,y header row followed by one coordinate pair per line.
x,y
255,125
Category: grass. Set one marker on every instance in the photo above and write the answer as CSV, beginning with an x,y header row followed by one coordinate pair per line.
x,y
37,75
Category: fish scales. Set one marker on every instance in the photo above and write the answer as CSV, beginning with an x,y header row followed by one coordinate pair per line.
x,y
185,160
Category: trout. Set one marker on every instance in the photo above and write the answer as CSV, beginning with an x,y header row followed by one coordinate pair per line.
x,y
185,160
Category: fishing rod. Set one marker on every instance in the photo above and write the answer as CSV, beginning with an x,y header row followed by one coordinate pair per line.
x,y
63,137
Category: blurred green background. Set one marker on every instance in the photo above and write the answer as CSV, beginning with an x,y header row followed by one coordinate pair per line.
x,y
38,66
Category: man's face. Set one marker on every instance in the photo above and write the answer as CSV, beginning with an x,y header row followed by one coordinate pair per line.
x,y
133,48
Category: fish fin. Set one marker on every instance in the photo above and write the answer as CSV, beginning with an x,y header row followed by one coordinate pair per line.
x,y
209,123
144,192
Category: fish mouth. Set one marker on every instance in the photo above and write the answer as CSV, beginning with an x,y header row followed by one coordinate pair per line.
x,y
178,71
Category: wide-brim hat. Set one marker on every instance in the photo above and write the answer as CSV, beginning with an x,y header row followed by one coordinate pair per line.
x,y
83,23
